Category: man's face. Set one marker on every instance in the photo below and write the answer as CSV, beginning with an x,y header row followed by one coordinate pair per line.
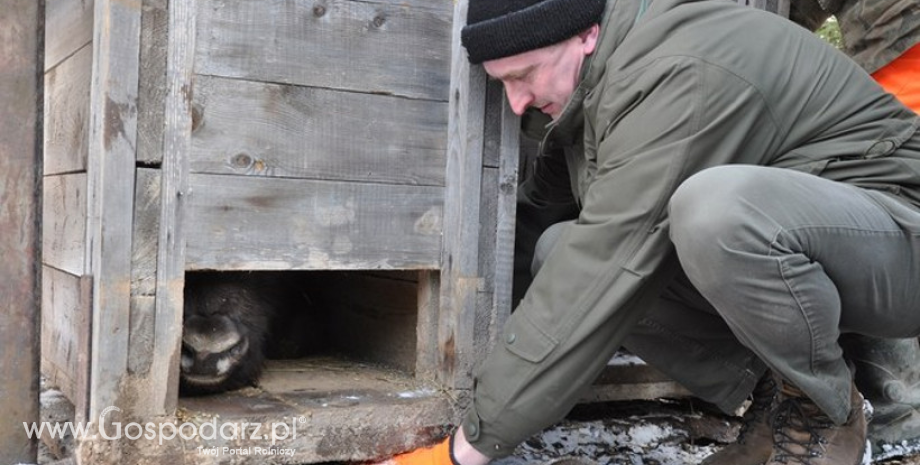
x,y
544,78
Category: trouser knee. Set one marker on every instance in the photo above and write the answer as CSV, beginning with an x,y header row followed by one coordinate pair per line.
x,y
545,245
711,217
706,203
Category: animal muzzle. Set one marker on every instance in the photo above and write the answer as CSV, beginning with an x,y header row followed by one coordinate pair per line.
x,y
212,348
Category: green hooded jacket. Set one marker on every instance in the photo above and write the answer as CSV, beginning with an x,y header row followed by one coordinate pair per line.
x,y
675,87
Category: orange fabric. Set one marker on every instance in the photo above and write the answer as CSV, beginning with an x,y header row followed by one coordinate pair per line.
x,y
901,78
438,454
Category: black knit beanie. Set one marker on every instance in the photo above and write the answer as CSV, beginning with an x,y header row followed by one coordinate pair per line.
x,y
500,28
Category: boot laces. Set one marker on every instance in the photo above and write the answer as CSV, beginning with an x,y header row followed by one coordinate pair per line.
x,y
761,405
796,430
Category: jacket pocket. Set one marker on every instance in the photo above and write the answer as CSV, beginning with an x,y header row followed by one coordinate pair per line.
x,y
526,340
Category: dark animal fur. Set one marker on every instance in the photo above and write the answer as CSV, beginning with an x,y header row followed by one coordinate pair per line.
x,y
268,311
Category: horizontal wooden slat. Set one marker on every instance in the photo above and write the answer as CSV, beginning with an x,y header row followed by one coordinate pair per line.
x,y
629,378
66,128
286,131
68,27
64,222
388,46
239,222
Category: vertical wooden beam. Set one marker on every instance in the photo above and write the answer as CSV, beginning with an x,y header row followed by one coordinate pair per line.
x,y
152,81
509,163
21,61
488,224
460,277
174,191
498,202
110,192
429,305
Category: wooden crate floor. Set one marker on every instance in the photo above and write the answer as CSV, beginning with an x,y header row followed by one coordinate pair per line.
x,y
335,410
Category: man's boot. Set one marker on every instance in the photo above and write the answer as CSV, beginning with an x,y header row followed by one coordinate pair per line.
x,y
888,374
804,435
755,440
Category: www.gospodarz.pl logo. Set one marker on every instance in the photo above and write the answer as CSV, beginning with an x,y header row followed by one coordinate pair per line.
x,y
166,431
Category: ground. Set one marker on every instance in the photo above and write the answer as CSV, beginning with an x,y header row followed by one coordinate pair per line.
x,y
663,432
650,433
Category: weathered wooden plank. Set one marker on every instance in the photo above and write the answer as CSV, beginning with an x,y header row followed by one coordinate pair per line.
x,y
151,93
146,229
161,385
64,222
371,317
142,337
635,391
67,90
389,46
240,222
491,153
286,131
342,412
110,190
460,277
492,127
68,28
498,203
20,178
66,325
506,208
483,333
633,381
429,308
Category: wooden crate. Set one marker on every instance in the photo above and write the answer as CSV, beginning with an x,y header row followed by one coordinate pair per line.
x,y
340,137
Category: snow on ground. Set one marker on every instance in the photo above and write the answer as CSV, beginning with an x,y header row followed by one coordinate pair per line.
x,y
654,433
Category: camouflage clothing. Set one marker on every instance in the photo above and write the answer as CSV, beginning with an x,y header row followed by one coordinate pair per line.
x,y
875,32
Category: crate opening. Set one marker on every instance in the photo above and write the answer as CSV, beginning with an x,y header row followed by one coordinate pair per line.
x,y
306,323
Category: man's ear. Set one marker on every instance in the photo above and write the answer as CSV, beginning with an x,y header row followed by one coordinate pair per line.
x,y
589,39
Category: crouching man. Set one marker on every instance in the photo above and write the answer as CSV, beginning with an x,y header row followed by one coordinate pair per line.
x,y
744,192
